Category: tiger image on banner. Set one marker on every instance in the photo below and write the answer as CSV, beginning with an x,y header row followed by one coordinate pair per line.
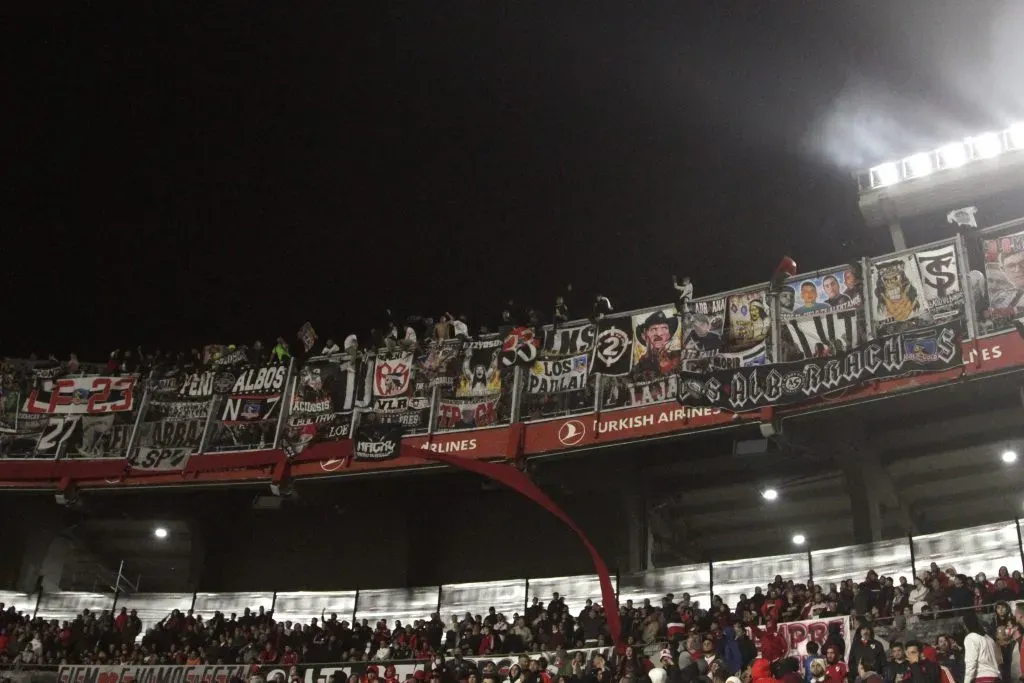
x,y
657,344
747,319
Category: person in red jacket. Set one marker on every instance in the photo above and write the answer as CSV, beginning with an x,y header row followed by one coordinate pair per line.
x,y
835,671
761,671
773,645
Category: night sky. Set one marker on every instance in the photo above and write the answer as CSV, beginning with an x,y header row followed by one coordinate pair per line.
x,y
178,177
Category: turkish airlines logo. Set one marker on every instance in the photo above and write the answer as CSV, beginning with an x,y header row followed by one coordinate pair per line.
x,y
571,432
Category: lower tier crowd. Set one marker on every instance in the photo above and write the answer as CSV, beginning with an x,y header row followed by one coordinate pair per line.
x,y
682,640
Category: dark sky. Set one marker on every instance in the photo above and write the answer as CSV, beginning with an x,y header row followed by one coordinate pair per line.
x,y
179,177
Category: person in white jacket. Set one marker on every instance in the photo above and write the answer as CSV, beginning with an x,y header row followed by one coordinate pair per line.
x,y
981,656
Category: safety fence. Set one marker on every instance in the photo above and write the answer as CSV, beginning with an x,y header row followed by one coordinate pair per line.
x,y
981,549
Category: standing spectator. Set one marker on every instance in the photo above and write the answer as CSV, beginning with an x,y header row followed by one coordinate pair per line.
x,y
981,657
867,648
281,351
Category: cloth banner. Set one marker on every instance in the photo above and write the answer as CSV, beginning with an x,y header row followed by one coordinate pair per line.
x,y
307,335
375,441
702,329
480,374
821,313
657,343
569,340
401,395
931,349
620,392
440,364
173,421
557,375
1004,273
139,673
467,413
613,348
82,396
247,415
327,391
748,320
520,347
916,289
796,635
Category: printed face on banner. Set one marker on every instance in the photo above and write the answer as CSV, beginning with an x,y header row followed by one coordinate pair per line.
x,y
440,363
896,285
480,374
657,343
821,293
1004,270
702,330
747,319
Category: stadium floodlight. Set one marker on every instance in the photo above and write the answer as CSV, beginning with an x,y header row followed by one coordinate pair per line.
x,y
953,155
160,532
986,146
918,165
1015,136
885,175
799,539
770,494
1009,456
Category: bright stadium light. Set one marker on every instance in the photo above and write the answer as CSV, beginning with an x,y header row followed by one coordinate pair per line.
x,y
1009,457
770,494
953,155
885,174
160,532
918,165
799,539
986,145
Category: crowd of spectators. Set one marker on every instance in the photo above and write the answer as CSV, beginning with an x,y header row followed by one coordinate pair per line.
x,y
687,642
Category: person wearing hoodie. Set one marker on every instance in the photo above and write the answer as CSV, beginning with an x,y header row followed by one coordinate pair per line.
x,y
773,645
866,647
729,650
761,672
835,671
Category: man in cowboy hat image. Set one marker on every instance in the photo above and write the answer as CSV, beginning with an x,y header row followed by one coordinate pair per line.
x,y
657,334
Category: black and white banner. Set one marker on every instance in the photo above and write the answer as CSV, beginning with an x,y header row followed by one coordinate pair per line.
x,y
170,432
247,416
931,349
940,282
401,394
520,347
823,334
85,436
327,391
570,339
136,673
441,364
613,348
374,441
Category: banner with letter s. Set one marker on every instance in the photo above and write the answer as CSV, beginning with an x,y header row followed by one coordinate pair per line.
x,y
930,349
376,441
916,289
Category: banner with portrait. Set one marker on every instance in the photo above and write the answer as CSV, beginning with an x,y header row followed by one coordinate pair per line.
x,y
915,289
748,320
821,313
1004,274
440,364
480,374
657,343
703,326
327,390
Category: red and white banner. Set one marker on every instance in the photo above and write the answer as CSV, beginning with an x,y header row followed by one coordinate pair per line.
x,y
82,396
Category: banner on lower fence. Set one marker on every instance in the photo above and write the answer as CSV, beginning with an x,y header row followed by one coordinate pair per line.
x,y
327,391
930,349
323,673
520,347
657,347
747,319
375,441
247,415
128,673
568,340
85,436
441,363
1004,275
702,329
467,413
